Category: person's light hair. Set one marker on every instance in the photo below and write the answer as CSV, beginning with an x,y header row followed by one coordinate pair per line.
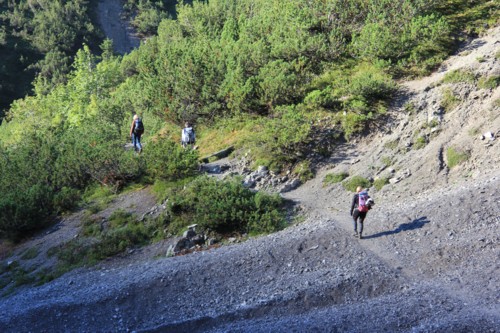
x,y
359,189
135,116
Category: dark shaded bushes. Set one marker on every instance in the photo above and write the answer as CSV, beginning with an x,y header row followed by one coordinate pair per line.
x,y
225,207
170,161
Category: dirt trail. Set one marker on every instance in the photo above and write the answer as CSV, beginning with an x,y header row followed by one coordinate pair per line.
x,y
390,245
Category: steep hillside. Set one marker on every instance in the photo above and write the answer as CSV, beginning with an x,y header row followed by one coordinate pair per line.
x,y
429,261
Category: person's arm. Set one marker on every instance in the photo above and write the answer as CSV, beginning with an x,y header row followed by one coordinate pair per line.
x,y
132,127
353,202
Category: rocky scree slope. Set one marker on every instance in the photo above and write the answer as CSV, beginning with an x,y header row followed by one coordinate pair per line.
x,y
429,261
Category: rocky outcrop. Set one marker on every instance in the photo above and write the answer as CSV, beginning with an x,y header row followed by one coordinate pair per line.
x,y
261,179
115,28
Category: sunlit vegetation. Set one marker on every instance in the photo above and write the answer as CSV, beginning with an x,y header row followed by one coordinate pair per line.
x,y
255,74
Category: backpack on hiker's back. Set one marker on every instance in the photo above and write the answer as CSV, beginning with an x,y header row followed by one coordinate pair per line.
x,y
188,135
189,132
364,202
139,126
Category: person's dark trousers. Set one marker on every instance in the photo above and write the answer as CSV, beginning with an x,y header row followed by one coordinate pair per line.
x,y
361,216
136,140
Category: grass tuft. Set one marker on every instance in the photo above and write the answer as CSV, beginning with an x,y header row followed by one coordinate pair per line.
x,y
352,183
333,178
456,157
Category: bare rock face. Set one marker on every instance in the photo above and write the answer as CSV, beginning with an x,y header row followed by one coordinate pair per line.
x,y
115,28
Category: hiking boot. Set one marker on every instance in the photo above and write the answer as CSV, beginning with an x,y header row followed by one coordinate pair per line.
x,y
360,236
355,234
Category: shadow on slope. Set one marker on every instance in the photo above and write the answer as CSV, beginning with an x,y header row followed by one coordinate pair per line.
x,y
415,224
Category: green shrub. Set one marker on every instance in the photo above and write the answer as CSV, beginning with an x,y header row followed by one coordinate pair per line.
x,y
98,193
163,189
380,182
21,213
496,103
147,20
333,178
320,98
168,160
455,157
225,207
120,218
303,170
449,100
352,183
420,142
491,82
458,76
353,123
371,82
67,199
277,141
97,197
94,152
124,231
91,225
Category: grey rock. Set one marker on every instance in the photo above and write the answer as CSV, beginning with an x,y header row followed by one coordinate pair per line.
x,y
190,233
291,185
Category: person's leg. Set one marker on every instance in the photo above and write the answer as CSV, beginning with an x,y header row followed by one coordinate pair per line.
x,y
134,141
361,221
355,216
139,146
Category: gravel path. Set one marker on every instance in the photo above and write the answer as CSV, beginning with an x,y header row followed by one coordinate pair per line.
x,y
312,276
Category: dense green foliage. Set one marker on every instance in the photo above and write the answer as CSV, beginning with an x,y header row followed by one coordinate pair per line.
x,y
275,66
147,14
169,161
71,143
225,207
40,37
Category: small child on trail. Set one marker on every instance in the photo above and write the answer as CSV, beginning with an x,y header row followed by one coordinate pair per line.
x,y
188,136
136,131
361,204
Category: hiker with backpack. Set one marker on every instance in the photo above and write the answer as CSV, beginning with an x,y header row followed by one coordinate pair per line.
x,y
361,204
136,131
188,135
